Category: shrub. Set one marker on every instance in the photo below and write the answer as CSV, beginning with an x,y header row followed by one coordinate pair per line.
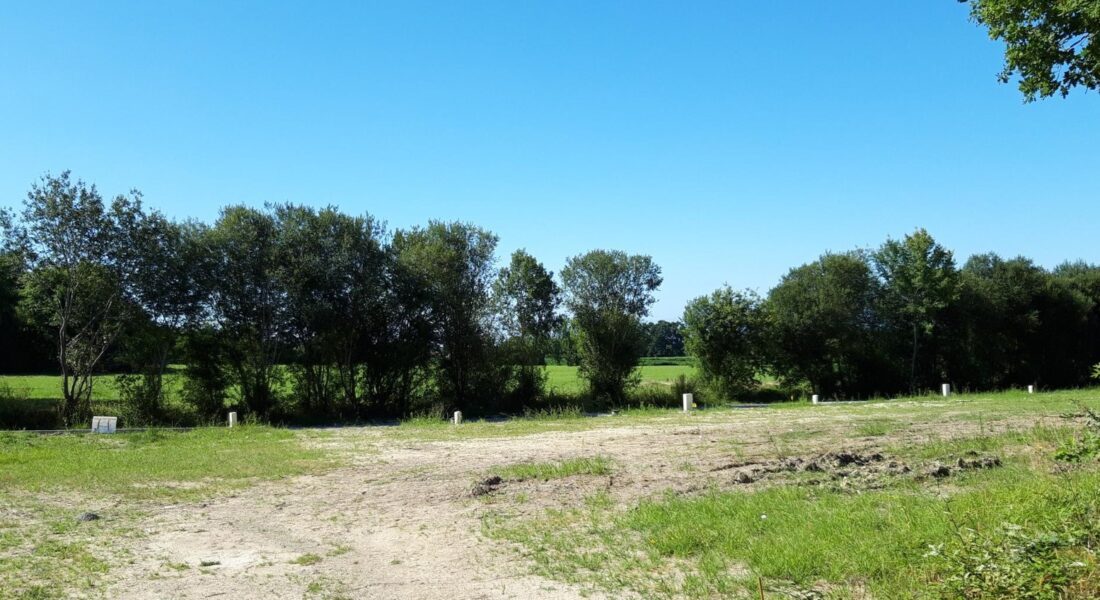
x,y
1014,562
1085,446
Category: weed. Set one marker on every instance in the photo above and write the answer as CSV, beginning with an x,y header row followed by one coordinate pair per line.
x,y
554,470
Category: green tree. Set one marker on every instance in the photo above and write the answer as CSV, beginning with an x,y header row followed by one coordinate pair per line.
x,y
453,262
1052,45
822,325
665,338
723,332
81,273
333,268
527,299
248,302
1084,279
169,289
608,293
919,282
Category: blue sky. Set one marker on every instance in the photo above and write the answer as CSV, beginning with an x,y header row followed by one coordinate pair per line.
x,y
729,140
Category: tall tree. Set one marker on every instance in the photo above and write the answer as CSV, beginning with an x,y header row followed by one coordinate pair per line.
x,y
81,273
724,333
248,302
822,324
454,263
171,283
919,282
1052,45
527,299
609,292
333,268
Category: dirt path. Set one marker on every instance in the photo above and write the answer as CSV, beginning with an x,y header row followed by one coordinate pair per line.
x,y
399,522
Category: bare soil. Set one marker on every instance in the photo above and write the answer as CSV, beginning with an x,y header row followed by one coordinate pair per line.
x,y
402,519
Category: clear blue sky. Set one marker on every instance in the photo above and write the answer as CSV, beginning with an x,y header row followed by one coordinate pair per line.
x,y
730,140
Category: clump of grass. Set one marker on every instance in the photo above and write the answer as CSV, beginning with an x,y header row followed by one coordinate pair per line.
x,y
306,560
597,465
875,428
554,413
423,419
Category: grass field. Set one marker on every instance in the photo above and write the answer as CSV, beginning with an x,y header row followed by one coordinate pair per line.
x,y
560,378
564,379
975,496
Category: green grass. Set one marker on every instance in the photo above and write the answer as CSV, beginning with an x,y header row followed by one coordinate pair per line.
x,y
152,463
722,544
565,379
875,427
48,387
900,541
306,560
562,378
545,471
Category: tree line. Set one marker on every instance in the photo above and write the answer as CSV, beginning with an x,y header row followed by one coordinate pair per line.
x,y
294,313
903,319
289,310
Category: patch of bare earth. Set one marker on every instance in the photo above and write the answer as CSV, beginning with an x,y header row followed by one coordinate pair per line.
x,y
402,522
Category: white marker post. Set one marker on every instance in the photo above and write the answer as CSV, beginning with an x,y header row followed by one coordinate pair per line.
x,y
689,399
946,389
1031,389
458,417
104,424
233,419
815,399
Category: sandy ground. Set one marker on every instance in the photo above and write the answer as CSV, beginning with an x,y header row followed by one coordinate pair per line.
x,y
399,521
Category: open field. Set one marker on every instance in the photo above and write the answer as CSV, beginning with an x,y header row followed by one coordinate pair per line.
x,y
869,500
564,379
560,378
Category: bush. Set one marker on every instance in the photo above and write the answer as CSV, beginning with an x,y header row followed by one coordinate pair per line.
x,y
1014,562
1085,446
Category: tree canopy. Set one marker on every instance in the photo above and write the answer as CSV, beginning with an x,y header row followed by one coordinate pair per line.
x,y
1053,46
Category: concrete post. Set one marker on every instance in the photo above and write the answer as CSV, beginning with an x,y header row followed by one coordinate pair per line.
x,y
1031,389
458,417
688,401
816,399
232,419
946,389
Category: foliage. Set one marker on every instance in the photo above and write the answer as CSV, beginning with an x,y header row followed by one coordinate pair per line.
x,y
84,259
290,313
1017,562
723,333
608,293
1085,446
249,306
823,326
527,299
206,379
666,338
1006,326
1052,46
453,262
919,282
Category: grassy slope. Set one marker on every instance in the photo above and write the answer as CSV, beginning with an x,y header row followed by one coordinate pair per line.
x,y
885,543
